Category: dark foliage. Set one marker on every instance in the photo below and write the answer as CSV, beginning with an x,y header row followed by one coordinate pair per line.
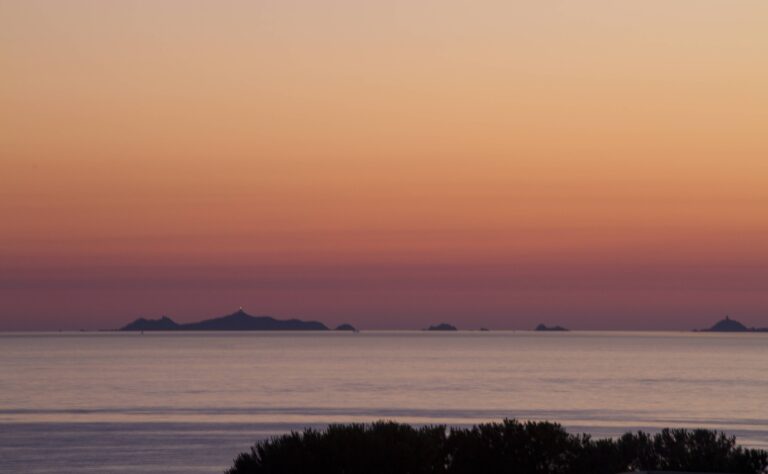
x,y
510,447
383,447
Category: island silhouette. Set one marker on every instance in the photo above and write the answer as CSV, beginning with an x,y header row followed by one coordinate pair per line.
x,y
442,327
237,321
346,327
543,327
731,325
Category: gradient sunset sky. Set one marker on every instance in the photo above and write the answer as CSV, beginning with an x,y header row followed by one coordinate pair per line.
x,y
595,164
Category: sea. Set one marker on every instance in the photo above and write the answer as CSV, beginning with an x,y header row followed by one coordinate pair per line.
x,y
189,402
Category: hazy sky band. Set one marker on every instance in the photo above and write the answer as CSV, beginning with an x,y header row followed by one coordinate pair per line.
x,y
461,160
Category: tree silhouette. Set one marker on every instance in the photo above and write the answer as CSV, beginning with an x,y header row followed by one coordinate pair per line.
x,y
509,447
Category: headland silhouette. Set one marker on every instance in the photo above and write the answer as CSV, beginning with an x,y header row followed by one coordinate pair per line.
x,y
237,321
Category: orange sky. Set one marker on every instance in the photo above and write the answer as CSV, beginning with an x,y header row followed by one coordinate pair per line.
x,y
595,164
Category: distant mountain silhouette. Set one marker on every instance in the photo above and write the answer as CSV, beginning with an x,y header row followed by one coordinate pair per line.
x,y
728,325
237,321
542,327
731,325
442,327
142,324
345,327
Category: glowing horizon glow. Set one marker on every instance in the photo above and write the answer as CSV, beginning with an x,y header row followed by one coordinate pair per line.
x,y
389,164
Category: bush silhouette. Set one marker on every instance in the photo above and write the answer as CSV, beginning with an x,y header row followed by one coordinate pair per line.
x,y
383,447
512,447
509,447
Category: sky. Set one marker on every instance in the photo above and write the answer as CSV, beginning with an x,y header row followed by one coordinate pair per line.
x,y
594,164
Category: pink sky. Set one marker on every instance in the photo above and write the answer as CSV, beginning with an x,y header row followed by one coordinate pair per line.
x,y
393,164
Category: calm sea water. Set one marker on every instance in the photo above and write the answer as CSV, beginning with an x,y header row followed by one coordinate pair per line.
x,y
189,402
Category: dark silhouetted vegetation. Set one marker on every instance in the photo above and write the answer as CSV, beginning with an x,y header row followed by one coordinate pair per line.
x,y
511,447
